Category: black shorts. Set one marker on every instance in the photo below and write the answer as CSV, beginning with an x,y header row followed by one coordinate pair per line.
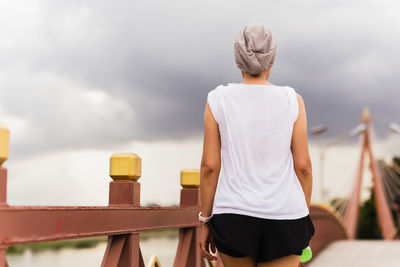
x,y
262,239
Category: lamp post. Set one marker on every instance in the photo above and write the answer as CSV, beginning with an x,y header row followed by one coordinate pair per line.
x,y
317,130
394,127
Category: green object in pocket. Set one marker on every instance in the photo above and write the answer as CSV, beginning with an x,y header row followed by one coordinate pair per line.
x,y
306,255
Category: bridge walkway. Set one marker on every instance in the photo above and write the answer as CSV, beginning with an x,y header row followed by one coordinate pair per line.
x,y
359,253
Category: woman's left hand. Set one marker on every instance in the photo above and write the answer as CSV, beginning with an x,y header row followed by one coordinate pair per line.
x,y
207,241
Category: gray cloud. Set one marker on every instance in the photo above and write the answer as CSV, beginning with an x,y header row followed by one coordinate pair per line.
x,y
93,74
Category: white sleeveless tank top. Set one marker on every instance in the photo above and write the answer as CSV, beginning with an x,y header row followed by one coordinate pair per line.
x,y
257,175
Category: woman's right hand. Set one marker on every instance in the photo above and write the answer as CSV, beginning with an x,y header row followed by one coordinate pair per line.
x,y
207,241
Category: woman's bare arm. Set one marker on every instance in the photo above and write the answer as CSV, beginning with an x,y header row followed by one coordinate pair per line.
x,y
299,146
210,162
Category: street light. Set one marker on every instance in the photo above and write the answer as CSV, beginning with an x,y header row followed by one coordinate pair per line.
x,y
394,127
317,130
353,132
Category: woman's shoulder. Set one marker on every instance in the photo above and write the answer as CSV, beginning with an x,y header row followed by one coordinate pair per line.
x,y
289,88
217,90
292,93
220,87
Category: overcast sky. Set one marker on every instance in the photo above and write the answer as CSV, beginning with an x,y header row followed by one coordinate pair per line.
x,y
81,79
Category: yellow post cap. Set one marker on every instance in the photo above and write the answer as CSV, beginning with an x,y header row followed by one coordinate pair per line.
x,y
4,143
190,178
154,261
125,166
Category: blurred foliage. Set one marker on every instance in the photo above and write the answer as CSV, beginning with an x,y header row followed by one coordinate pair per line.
x,y
368,227
339,204
57,245
396,160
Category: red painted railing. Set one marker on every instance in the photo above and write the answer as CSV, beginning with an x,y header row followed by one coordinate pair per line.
x,y
122,220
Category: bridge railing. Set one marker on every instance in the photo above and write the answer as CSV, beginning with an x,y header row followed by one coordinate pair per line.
x,y
122,220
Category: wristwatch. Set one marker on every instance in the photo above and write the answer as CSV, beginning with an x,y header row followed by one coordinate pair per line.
x,y
204,219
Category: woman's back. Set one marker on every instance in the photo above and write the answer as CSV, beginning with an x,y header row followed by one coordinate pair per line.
x,y
257,176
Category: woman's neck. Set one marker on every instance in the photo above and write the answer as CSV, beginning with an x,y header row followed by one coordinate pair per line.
x,y
261,79
256,81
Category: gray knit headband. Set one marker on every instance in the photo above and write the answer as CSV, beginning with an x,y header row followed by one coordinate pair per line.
x,y
255,49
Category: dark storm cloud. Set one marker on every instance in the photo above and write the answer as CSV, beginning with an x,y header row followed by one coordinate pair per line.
x,y
155,61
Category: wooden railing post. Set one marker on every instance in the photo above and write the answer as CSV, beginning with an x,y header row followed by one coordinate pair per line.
x,y
3,187
4,148
188,253
123,250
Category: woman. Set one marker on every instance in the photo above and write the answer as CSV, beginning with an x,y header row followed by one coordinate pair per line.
x,y
256,150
